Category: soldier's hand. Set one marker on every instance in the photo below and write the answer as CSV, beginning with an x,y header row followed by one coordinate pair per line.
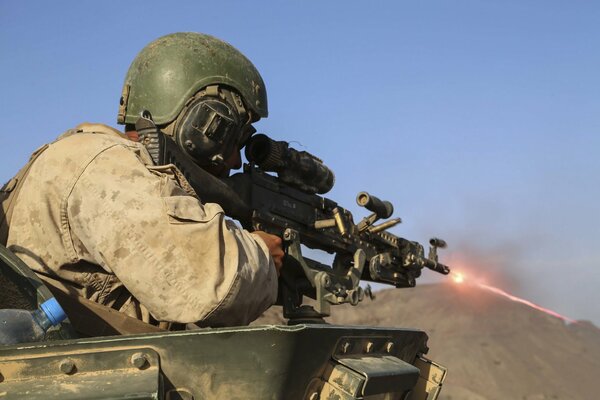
x,y
275,249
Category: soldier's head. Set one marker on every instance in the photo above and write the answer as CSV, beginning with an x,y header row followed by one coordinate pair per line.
x,y
200,91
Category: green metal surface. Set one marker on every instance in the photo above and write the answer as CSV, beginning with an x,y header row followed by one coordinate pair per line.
x,y
269,362
89,375
378,370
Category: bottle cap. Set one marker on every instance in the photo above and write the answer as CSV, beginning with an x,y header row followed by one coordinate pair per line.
x,y
53,311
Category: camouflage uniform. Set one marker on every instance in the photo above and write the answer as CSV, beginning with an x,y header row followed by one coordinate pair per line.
x,y
98,218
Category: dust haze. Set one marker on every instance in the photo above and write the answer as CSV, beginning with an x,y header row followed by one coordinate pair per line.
x,y
529,257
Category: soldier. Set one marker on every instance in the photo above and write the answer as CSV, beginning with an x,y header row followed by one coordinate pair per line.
x,y
98,218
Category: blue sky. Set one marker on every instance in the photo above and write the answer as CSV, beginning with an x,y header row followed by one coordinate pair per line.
x,y
479,120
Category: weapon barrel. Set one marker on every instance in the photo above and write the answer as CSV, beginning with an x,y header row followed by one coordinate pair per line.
x,y
437,267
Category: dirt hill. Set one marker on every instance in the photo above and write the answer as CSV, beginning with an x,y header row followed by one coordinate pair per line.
x,y
494,348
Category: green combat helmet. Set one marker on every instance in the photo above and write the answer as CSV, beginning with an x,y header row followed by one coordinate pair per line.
x,y
171,69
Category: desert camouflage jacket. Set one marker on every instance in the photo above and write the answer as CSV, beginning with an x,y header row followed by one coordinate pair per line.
x,y
98,218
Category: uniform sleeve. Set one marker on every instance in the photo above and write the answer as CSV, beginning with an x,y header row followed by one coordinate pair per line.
x,y
181,259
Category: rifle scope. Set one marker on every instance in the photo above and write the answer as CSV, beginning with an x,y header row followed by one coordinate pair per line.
x,y
296,168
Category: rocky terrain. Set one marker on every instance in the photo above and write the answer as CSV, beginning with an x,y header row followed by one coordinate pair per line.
x,y
494,348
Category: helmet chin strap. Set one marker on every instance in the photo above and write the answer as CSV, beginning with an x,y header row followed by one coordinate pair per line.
x,y
148,135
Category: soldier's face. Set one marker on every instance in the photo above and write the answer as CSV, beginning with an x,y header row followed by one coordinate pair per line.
x,y
234,161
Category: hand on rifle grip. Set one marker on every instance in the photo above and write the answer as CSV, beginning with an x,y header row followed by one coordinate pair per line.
x,y
273,242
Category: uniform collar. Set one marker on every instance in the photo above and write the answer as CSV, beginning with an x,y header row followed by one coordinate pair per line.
x,y
88,127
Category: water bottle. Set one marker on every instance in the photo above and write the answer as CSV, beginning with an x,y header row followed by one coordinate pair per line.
x,y
21,326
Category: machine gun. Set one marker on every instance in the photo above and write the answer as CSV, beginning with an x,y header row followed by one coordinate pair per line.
x,y
289,205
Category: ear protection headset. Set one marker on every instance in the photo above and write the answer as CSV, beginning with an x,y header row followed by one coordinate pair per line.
x,y
212,125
